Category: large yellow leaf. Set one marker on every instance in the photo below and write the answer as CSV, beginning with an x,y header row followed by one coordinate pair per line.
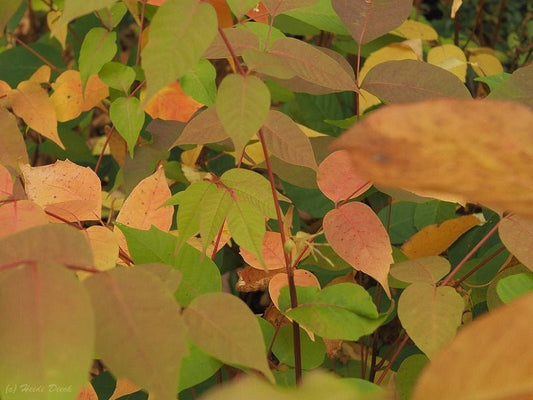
x,y
65,189
490,358
142,208
434,239
478,150
31,103
450,58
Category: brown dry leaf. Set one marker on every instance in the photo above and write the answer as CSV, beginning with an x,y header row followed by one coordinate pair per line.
x,y
490,358
171,103
65,189
252,279
479,150
142,208
42,75
31,103
19,215
432,240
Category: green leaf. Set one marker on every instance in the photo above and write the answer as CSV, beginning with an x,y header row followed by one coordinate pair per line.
x,y
514,286
127,115
408,373
7,9
196,367
312,352
241,7
149,246
47,340
320,15
215,208
430,315
342,311
242,106
215,332
405,81
433,212
251,187
247,226
75,8
367,20
493,81
117,75
99,47
199,83
313,65
135,304
180,32
401,226
426,269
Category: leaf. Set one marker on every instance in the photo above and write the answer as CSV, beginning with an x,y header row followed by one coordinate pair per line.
x,y
144,206
31,103
215,209
196,367
67,97
253,279
252,188
276,7
392,52
272,251
42,75
411,29
199,83
12,147
99,47
135,304
6,183
56,332
64,244
338,179
343,311
455,7
240,39
127,115
104,247
368,20
514,286
485,64
19,215
450,58
247,226
496,176
204,128
52,18
430,315
498,342
95,91
424,270
187,28
409,81
171,103
433,212
301,278
64,189
117,75
242,105
7,9
312,65
320,16
214,332
432,240
357,235
516,234
240,7
312,352
518,87
408,374
285,140
75,8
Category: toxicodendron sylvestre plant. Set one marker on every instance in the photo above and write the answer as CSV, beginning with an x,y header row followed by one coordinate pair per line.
x,y
178,218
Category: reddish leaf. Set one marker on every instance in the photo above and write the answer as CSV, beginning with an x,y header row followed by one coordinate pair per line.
x,y
170,103
142,208
272,250
338,179
367,20
204,128
19,215
65,189
31,103
517,235
356,234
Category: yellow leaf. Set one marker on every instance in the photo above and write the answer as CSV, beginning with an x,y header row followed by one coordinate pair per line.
x,y
104,246
416,30
367,100
42,75
31,103
389,53
489,358
189,157
485,64
478,150
450,58
60,34
455,7
67,97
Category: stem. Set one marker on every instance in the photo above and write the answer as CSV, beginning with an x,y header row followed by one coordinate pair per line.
x,y
469,255
44,60
501,11
477,267
138,56
230,49
393,358
99,161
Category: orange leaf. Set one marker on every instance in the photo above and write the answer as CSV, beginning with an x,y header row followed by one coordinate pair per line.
x,y
142,208
19,215
253,279
171,103
356,234
272,250
259,13
225,20
432,240
6,183
31,103
65,189
95,91
4,88
338,179
87,393
301,278
125,386
475,149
